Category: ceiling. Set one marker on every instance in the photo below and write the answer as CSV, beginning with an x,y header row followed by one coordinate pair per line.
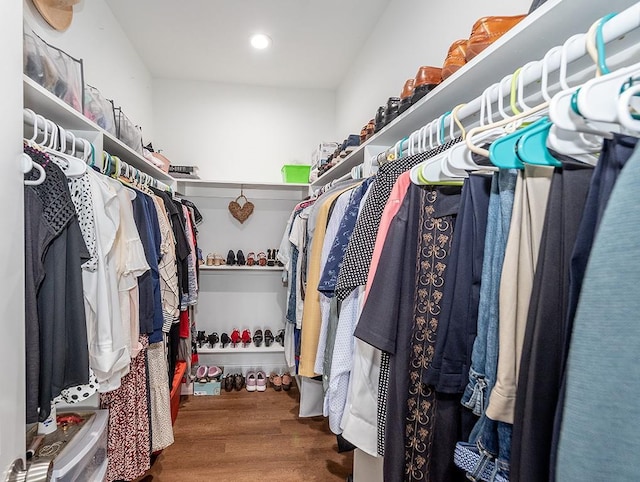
x,y
314,42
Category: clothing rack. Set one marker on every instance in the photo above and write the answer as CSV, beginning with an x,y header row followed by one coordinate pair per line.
x,y
79,144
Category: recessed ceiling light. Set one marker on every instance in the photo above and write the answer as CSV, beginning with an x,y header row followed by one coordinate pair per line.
x,y
260,41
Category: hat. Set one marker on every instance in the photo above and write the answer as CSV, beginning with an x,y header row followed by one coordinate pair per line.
x,y
57,13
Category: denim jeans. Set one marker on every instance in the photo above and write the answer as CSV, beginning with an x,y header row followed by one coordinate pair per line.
x,y
491,436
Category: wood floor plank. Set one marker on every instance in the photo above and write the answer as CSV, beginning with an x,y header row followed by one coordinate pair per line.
x,y
242,436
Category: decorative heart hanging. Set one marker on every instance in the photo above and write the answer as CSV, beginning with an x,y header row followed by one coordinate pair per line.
x,y
241,213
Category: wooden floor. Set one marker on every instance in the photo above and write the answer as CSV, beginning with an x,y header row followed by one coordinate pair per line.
x,y
242,436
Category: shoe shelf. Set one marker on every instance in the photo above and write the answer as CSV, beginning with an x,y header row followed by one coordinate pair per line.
x,y
241,350
43,102
212,188
549,25
242,268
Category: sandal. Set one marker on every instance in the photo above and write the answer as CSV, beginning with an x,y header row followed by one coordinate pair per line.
x,y
246,337
201,337
262,258
251,259
235,337
225,340
286,381
268,338
257,338
280,337
276,381
239,381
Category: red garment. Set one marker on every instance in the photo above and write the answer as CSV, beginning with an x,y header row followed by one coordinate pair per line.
x,y
185,325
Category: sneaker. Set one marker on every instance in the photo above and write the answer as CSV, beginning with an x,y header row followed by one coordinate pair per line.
x,y
261,381
251,382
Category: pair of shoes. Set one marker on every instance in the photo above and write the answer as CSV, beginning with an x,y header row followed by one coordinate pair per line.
x,y
212,339
236,337
485,31
349,145
201,337
387,113
262,259
271,257
233,259
256,381
206,374
251,258
280,382
234,381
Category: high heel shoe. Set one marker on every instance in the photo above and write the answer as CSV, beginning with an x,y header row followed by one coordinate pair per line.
x,y
241,260
225,340
257,338
231,258
280,337
235,337
212,339
246,337
268,338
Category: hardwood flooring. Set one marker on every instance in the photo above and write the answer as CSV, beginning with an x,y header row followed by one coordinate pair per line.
x,y
242,436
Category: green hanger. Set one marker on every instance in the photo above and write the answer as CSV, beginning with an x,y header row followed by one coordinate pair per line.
x,y
503,152
532,145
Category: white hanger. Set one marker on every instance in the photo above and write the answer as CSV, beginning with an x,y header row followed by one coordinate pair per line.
x,y
70,165
26,162
623,111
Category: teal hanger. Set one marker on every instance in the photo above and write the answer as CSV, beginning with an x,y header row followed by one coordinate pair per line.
x,y
602,56
532,146
503,152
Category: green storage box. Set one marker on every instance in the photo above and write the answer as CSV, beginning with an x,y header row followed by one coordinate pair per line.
x,y
296,173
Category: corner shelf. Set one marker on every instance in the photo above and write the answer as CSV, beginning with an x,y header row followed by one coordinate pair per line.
x,y
239,350
43,102
242,268
549,25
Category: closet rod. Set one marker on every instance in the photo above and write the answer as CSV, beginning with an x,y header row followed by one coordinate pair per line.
x,y
617,27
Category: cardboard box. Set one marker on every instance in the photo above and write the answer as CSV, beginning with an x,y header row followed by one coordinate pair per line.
x,y
208,388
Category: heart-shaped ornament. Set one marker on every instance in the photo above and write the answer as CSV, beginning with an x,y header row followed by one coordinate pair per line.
x,y
241,213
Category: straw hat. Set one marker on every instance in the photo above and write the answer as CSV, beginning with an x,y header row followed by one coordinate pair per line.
x,y
57,13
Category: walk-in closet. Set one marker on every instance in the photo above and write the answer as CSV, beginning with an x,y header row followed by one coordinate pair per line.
x,y
362,241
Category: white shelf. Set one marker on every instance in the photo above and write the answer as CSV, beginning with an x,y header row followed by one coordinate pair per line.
x,y
274,186
550,25
242,268
240,350
43,102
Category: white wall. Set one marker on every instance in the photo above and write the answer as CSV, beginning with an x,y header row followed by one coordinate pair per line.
x,y
410,33
237,132
111,63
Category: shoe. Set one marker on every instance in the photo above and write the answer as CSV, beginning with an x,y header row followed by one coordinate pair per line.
x,y
379,122
235,337
213,372
426,80
224,340
268,338
371,128
271,257
240,257
212,339
201,337
276,381
262,258
229,382
280,337
246,337
391,110
251,259
231,258
257,338
239,382
251,382
210,259
286,382
278,262
201,374
261,381
456,58
487,30
405,96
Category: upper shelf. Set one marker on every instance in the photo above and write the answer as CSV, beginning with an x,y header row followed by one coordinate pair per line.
x,y
550,25
272,186
43,102
253,268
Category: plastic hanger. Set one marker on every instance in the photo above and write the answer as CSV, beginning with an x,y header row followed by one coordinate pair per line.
x,y
532,145
27,163
624,114
71,165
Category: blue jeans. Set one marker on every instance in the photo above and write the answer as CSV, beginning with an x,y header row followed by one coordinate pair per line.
x,y
491,436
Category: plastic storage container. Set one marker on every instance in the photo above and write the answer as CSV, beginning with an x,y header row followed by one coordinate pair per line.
x,y
85,457
295,173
